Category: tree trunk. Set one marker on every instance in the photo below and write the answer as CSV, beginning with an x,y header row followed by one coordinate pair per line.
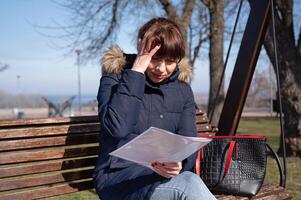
x,y
183,20
289,58
216,41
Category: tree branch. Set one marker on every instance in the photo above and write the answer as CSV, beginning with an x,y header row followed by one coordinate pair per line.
x,y
97,43
206,3
187,12
169,9
197,48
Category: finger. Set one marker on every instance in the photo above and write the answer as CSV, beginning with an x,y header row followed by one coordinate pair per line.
x,y
162,172
168,174
172,166
141,51
139,45
159,170
155,49
148,45
166,171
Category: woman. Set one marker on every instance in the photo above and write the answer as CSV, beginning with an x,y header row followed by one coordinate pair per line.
x,y
139,91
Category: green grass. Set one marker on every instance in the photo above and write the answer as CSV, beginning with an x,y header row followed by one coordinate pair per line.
x,y
84,195
252,126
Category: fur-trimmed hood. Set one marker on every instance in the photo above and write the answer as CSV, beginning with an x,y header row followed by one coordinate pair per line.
x,y
115,60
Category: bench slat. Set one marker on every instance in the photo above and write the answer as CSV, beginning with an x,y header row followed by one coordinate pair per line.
x,y
49,130
46,154
227,197
54,190
44,179
34,168
203,128
45,121
201,119
49,141
267,192
280,196
274,192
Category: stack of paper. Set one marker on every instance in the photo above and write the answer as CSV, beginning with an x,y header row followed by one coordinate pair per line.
x,y
159,145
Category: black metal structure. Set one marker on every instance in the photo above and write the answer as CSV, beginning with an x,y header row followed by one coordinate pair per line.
x,y
244,68
247,57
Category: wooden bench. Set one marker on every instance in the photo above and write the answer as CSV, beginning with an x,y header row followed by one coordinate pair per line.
x,y
48,157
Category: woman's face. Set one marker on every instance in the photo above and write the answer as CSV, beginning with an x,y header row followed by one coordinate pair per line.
x,y
160,69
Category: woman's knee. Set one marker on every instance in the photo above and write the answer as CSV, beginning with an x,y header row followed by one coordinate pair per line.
x,y
186,185
196,188
192,179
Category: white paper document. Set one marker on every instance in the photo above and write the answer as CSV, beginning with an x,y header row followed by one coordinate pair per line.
x,y
159,145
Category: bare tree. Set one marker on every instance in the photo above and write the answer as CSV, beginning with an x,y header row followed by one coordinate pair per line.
x,y
260,90
216,52
95,24
289,56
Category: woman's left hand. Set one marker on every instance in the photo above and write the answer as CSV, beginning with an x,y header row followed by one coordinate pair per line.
x,y
167,170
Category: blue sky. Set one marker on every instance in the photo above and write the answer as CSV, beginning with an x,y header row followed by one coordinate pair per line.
x,y
44,69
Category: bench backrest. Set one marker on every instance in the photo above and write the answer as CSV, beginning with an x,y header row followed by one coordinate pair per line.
x,y
47,157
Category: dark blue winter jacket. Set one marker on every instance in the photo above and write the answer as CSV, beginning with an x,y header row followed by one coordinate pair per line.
x,y
128,104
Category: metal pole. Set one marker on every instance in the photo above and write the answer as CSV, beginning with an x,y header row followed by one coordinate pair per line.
x,y
17,98
271,90
18,84
18,92
78,79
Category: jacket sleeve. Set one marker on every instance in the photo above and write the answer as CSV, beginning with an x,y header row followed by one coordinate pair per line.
x,y
187,126
119,101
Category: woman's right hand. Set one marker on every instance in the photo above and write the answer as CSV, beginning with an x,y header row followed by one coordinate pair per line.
x,y
145,54
167,170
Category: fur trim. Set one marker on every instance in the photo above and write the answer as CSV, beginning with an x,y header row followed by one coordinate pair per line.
x,y
114,61
185,71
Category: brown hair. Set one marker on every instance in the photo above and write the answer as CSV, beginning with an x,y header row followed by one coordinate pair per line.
x,y
166,33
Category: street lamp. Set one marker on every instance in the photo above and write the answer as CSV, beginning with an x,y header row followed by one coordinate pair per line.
x,y
18,84
18,93
78,52
16,110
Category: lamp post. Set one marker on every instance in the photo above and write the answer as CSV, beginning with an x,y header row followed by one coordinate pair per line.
x,y
78,52
17,111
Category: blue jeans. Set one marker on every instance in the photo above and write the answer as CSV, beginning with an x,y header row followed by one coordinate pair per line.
x,y
185,186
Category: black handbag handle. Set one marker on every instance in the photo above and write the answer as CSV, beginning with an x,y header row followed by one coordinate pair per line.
x,y
198,160
228,150
281,173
